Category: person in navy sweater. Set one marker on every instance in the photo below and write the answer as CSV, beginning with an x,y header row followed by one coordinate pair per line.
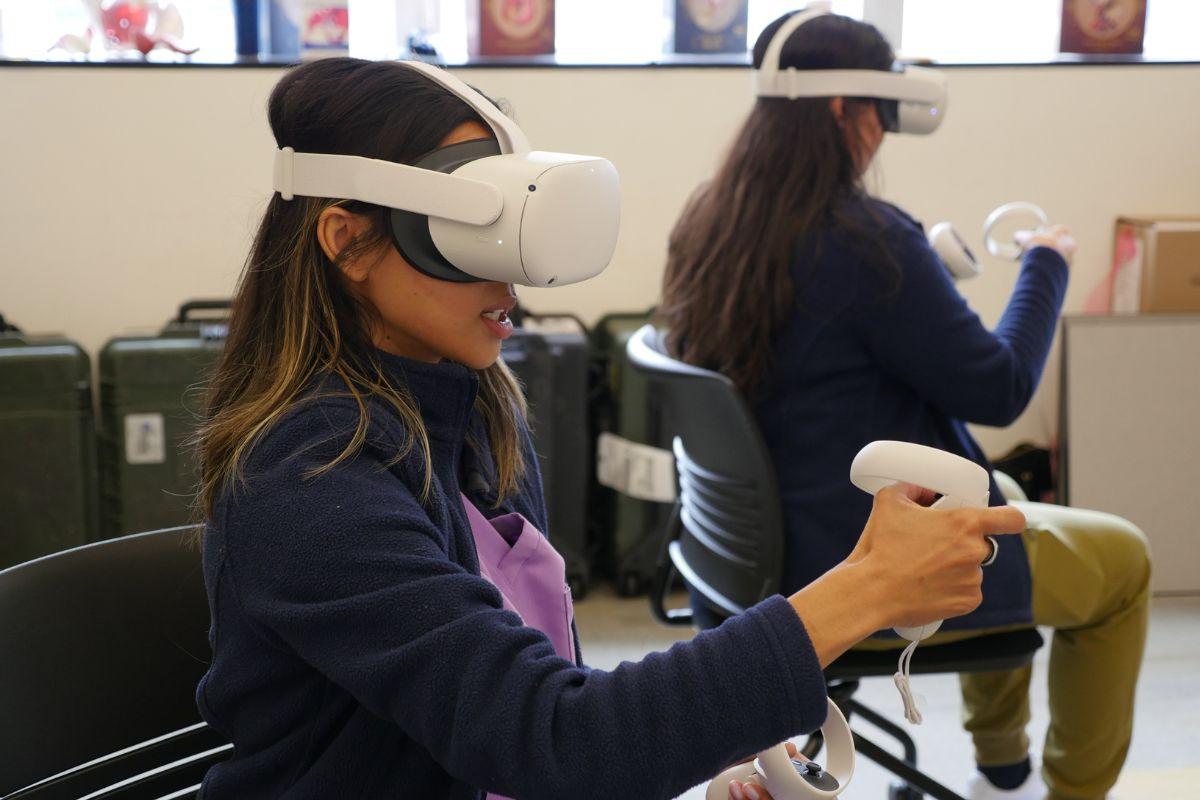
x,y
365,457
833,315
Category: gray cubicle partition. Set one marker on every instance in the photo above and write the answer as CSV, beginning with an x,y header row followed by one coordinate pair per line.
x,y
1130,426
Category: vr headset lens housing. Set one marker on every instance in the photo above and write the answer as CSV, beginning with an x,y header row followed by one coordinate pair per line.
x,y
560,223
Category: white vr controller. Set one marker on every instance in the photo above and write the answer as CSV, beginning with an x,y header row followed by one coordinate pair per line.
x,y
788,778
961,483
1020,221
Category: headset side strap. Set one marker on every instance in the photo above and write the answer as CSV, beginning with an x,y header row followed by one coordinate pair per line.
x,y
792,83
282,177
386,183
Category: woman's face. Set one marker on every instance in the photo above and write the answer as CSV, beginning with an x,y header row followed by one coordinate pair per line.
x,y
427,319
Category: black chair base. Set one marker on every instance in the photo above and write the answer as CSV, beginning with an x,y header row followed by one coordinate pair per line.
x,y
987,653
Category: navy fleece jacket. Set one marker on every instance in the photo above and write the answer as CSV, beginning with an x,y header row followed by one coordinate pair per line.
x,y
357,652
866,358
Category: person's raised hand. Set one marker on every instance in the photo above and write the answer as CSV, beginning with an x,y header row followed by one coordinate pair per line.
x,y
1057,237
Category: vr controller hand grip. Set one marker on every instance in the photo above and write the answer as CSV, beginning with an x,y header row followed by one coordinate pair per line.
x,y
797,779
961,483
953,251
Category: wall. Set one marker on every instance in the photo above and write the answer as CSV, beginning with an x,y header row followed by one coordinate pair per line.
x,y
124,191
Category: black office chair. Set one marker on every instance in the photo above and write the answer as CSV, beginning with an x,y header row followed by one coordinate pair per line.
x,y
726,541
101,648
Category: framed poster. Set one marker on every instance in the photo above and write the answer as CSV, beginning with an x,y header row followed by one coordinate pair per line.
x,y
710,26
1103,26
516,27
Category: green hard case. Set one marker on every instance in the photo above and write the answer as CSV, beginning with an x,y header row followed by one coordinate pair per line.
x,y
632,528
151,403
48,491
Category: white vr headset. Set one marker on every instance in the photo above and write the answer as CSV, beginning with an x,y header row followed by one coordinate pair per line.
x,y
911,99
483,210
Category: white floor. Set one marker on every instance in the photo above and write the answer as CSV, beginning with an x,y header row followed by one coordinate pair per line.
x,y
1163,763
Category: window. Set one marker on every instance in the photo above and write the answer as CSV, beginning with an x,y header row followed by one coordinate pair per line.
x,y
30,28
614,31
974,31
633,31
1014,31
764,12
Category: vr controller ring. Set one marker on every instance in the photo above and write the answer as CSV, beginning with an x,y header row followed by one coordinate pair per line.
x,y
1011,250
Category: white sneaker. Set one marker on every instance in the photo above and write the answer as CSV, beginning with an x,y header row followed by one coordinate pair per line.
x,y
979,788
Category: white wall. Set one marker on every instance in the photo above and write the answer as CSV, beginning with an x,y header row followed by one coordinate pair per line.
x,y
124,191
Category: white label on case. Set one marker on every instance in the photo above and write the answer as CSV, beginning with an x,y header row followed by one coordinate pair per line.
x,y
145,439
638,470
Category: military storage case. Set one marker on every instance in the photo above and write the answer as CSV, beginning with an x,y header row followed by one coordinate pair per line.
x,y
552,362
151,402
47,446
626,408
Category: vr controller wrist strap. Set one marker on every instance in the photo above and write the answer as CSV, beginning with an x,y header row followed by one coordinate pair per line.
x,y
901,679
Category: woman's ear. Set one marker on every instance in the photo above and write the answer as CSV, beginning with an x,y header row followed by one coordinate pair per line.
x,y
838,106
336,229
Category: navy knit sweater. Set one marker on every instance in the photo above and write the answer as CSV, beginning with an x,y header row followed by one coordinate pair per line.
x,y
864,358
357,652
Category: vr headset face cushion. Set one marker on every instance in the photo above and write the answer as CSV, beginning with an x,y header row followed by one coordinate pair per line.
x,y
889,114
410,232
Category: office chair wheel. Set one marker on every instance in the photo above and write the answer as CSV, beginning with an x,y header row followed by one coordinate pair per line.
x,y
899,790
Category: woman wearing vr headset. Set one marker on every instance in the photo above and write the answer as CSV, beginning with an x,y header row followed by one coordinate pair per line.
x,y
830,311
387,618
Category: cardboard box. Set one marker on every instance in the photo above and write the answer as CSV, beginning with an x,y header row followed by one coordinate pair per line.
x,y
1156,265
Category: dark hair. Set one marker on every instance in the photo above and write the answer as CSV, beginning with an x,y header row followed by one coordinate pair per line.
x,y
294,315
789,173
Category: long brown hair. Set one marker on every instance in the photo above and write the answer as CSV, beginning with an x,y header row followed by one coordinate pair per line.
x,y
790,172
295,319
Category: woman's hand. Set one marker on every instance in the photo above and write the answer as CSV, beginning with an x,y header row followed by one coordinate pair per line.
x,y
1056,237
912,565
927,560
753,791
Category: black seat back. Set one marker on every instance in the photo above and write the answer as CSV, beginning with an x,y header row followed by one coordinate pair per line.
x,y
101,648
732,541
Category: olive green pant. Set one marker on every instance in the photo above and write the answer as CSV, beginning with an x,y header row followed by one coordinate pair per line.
x,y
1091,584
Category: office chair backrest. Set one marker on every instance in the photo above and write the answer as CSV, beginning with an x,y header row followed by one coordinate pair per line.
x,y
731,546
101,648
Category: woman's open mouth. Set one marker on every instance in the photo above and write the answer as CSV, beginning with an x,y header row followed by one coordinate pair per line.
x,y
498,322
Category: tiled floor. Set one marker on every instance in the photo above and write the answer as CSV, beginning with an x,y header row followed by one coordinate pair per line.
x,y
1164,760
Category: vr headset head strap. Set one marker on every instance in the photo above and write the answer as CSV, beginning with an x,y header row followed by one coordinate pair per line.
x,y
512,138
387,183
768,73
